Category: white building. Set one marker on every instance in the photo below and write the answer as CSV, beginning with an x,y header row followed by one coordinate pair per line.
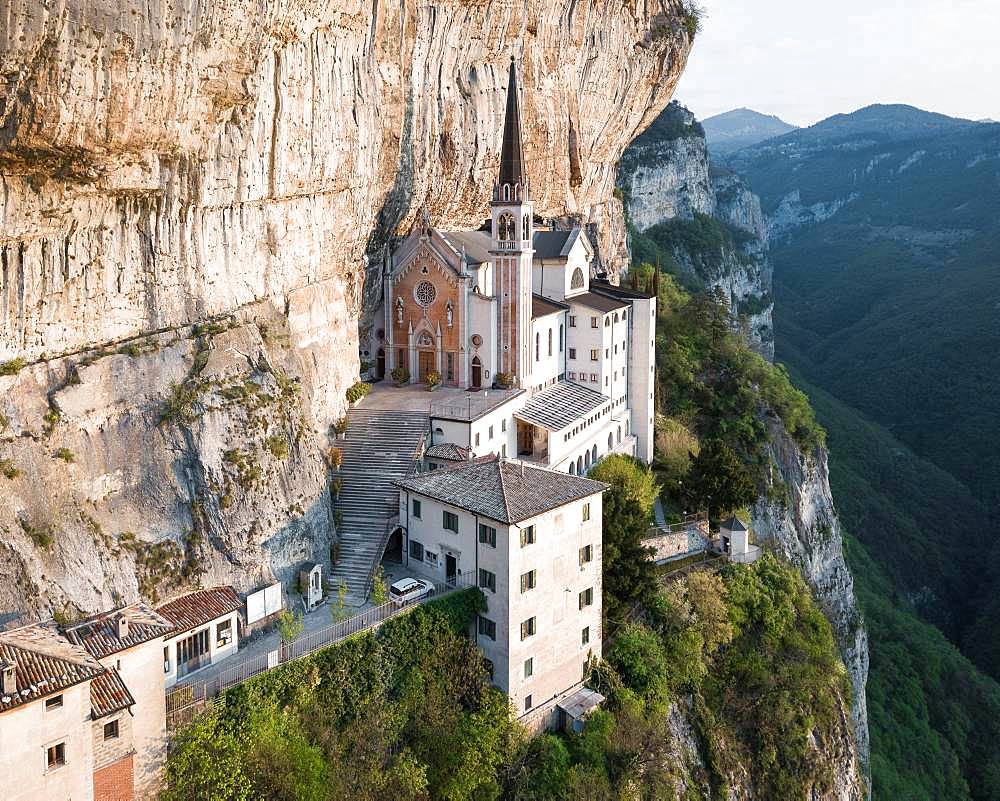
x,y
514,305
531,538
206,630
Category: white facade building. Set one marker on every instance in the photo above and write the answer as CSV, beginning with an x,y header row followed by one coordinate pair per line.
x,y
531,538
206,630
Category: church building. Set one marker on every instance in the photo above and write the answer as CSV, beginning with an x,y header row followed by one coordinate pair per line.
x,y
515,307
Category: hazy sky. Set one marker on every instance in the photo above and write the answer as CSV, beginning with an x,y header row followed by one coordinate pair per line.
x,y
807,59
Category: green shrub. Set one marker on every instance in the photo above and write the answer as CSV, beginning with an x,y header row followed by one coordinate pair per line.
x,y
400,375
504,380
433,378
8,469
357,391
290,625
380,590
13,367
179,405
278,446
41,535
65,454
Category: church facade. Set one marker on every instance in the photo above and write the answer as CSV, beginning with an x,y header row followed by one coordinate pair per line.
x,y
514,305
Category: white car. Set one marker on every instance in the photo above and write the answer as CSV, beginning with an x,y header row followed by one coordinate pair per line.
x,y
408,590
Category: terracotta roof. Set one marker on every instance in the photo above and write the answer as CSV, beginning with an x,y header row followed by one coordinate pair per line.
x,y
502,490
561,405
108,694
542,306
599,302
193,610
448,451
46,663
99,634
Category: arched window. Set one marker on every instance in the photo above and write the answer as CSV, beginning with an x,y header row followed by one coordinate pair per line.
x,y
611,442
506,191
526,227
576,281
572,468
550,342
560,338
626,428
616,317
593,453
537,345
505,228
579,465
619,433
586,460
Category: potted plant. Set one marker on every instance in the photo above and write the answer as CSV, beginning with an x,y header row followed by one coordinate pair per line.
x,y
340,428
505,380
357,392
336,486
433,380
401,376
335,457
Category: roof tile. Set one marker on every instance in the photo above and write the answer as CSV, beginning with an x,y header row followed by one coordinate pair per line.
x,y
197,608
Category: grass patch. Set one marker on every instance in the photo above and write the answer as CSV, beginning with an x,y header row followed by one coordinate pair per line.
x,y
13,367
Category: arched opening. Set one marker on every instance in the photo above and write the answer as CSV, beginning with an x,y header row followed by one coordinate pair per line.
x,y
537,345
579,465
586,460
611,442
626,428
394,547
477,373
619,433
593,454
380,364
576,280
550,342
506,191
572,468
560,338
505,228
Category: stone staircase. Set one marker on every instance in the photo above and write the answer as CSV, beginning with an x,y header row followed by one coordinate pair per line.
x,y
381,447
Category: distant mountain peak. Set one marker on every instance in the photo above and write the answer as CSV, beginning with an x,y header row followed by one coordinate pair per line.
x,y
741,127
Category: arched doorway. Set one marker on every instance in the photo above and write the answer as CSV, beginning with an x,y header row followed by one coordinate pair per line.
x,y
477,373
380,364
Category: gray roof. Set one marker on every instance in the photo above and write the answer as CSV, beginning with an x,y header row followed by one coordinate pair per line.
x,y
477,245
448,451
734,524
602,303
554,244
542,306
580,703
561,405
502,490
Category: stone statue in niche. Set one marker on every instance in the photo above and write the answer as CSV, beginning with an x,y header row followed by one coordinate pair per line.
x,y
449,313
399,310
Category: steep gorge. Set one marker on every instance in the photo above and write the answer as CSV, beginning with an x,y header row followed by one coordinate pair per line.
x,y
166,164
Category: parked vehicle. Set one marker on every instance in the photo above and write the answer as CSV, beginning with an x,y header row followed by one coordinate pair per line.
x,y
408,590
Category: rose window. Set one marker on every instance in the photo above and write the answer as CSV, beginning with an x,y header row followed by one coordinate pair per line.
x,y
425,293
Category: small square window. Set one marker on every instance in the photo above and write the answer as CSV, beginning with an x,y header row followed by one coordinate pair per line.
x,y
572,353
527,536
54,702
586,554
55,756
528,628
487,627
528,580
529,667
594,323
111,730
585,635
586,512
416,550
449,521
587,597
416,508
487,580
488,535
593,378
527,703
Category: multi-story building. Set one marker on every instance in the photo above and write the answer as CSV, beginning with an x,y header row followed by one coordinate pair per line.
x,y
531,539
515,303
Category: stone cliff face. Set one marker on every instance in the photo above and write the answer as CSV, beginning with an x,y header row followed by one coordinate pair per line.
x,y
162,165
666,175
798,519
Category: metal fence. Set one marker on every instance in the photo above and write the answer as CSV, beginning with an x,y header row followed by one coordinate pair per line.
x,y
187,701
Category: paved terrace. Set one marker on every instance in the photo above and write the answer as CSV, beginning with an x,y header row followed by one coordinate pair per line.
x,y
450,402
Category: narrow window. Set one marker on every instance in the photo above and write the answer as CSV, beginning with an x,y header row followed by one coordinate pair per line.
x,y
528,628
572,353
560,338
594,323
477,439
166,658
416,508
111,730
529,667
528,581
527,536
488,535
586,512
550,342
487,580
537,345
572,321
607,321
503,424
487,627
491,433
585,635
449,520
595,354
527,703
586,597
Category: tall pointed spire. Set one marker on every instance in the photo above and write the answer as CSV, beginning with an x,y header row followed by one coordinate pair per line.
x,y
512,152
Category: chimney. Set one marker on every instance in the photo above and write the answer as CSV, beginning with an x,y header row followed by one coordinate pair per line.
x,y
8,679
121,626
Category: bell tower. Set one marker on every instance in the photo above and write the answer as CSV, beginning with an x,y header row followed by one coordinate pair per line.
x,y
512,212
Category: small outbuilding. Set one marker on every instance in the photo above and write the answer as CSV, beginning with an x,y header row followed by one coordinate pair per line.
x,y
576,708
311,584
735,541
